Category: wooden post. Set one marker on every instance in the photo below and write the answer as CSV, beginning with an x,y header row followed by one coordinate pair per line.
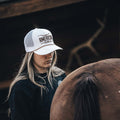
x,y
29,6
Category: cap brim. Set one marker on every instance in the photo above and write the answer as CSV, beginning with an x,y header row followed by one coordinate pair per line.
x,y
47,49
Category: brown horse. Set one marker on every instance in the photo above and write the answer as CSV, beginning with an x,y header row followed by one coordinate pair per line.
x,y
91,92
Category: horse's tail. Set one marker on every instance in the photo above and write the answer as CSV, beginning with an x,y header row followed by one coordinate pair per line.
x,y
86,98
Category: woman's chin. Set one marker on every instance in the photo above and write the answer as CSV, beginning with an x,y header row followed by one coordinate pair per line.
x,y
48,66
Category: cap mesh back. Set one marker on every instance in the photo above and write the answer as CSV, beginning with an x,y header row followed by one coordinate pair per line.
x,y
29,41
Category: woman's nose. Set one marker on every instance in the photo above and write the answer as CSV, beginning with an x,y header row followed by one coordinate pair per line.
x,y
49,55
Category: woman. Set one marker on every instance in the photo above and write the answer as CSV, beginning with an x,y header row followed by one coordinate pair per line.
x,y
32,89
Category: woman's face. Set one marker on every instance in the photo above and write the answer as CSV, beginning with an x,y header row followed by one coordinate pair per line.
x,y
42,62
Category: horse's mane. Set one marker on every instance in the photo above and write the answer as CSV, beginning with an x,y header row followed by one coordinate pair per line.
x,y
86,98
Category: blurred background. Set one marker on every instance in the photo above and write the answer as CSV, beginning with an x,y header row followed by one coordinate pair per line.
x,y
87,30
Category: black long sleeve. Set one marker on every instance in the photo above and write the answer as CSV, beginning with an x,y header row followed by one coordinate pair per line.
x,y
20,102
26,103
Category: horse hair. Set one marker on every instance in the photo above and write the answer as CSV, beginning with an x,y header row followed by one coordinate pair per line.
x,y
86,98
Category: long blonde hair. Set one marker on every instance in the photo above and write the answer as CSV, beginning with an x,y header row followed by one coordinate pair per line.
x,y
27,63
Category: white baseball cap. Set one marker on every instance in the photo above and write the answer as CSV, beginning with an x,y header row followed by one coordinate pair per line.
x,y
40,41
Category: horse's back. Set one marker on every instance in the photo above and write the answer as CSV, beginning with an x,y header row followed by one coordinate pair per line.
x,y
106,76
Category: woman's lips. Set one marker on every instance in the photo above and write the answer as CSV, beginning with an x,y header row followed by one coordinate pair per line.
x,y
48,62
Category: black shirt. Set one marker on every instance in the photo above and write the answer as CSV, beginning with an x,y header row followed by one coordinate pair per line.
x,y
26,101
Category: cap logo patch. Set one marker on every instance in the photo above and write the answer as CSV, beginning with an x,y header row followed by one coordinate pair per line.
x,y
45,39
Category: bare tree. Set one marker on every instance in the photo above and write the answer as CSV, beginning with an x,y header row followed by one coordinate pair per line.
x,y
87,44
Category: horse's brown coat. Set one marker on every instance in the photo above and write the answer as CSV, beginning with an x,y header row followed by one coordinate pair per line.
x,y
107,74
